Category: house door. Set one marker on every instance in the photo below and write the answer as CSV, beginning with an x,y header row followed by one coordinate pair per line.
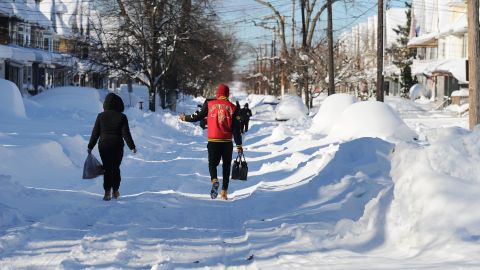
x,y
12,73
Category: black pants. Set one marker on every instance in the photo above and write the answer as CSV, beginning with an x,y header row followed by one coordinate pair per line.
x,y
245,126
111,155
217,151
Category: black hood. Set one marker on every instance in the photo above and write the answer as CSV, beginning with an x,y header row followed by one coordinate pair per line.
x,y
114,103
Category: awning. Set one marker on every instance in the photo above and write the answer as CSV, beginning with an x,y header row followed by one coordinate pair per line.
x,y
6,52
425,41
43,57
22,55
453,67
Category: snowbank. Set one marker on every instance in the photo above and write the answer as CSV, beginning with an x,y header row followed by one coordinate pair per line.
x,y
47,163
8,215
11,102
290,107
71,98
436,194
370,119
331,109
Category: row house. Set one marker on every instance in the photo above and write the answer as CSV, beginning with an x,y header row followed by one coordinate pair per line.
x,y
439,35
40,45
360,45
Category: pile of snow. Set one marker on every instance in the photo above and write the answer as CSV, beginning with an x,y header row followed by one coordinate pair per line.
x,y
436,194
71,98
331,109
371,119
418,91
291,107
11,102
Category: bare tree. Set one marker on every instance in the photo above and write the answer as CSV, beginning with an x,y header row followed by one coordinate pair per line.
x,y
137,38
311,11
155,41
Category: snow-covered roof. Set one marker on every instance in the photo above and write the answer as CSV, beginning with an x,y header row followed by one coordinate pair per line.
x,y
5,52
456,67
67,14
427,40
26,10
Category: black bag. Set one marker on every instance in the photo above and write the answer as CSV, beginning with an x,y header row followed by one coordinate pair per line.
x,y
240,168
92,167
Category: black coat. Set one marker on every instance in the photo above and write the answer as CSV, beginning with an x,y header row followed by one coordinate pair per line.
x,y
245,114
111,126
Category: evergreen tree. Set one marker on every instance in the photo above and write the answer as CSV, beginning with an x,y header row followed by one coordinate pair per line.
x,y
402,55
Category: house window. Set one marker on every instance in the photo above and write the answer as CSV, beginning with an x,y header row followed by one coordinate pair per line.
x,y
4,30
56,45
22,35
433,53
47,41
19,35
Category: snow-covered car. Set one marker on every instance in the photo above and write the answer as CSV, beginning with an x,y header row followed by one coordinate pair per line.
x,y
290,107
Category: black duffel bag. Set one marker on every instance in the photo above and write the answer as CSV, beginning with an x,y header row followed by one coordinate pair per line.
x,y
240,168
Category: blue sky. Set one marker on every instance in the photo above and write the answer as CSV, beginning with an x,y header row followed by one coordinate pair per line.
x,y
238,16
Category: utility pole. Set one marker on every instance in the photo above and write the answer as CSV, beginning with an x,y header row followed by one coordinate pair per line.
x,y
380,52
473,61
267,87
260,71
331,70
272,63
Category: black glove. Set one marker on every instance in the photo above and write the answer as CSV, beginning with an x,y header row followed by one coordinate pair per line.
x,y
89,151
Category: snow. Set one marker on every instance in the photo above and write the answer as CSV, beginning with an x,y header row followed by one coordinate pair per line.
x,y
256,100
422,40
330,111
71,98
417,91
454,66
11,102
26,10
371,119
290,107
357,198
460,93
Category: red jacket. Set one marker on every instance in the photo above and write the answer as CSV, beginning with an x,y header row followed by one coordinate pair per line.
x,y
220,120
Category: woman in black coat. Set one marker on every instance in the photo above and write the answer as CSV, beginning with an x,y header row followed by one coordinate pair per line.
x,y
111,127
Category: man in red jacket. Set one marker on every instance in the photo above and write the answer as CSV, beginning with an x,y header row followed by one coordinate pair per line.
x,y
223,122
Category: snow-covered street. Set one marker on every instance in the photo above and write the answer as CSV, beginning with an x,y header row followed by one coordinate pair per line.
x,y
342,200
